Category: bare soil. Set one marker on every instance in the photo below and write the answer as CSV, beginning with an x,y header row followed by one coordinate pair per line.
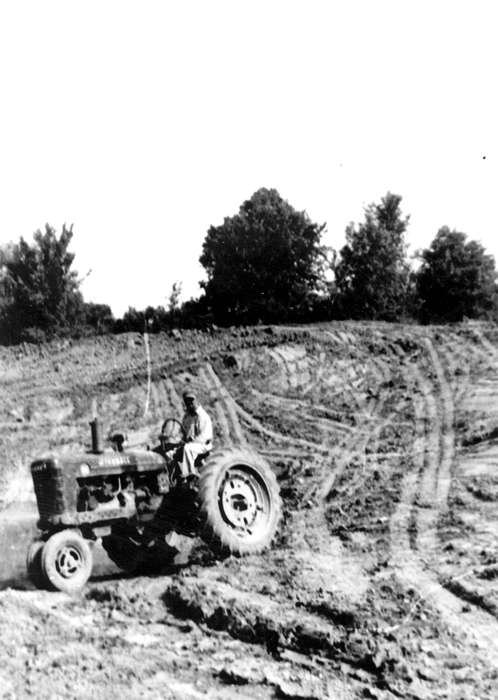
x,y
383,581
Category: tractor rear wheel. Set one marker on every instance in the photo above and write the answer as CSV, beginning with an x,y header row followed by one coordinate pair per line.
x,y
239,502
66,561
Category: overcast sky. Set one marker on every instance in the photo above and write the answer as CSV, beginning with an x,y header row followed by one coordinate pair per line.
x,y
142,123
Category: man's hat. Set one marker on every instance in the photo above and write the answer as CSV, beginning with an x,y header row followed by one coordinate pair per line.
x,y
188,395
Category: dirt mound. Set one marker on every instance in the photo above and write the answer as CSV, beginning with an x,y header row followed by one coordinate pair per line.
x,y
383,580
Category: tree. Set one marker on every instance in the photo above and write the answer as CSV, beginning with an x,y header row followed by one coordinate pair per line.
x,y
372,274
42,296
99,317
263,264
174,298
456,279
6,254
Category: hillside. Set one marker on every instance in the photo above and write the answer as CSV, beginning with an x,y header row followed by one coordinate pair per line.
x,y
383,581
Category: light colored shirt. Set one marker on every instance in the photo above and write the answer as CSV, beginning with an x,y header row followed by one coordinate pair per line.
x,y
198,427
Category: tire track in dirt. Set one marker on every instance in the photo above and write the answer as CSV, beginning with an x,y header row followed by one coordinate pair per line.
x,y
220,413
316,372
355,446
229,405
351,441
446,431
459,372
289,359
281,363
423,497
258,427
309,524
306,410
344,445
466,572
487,344
235,410
174,397
308,528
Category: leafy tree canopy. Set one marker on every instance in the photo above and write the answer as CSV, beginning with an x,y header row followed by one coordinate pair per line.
x,y
265,263
99,317
372,273
456,279
41,291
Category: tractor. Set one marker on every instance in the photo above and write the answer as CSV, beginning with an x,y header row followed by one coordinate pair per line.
x,y
132,502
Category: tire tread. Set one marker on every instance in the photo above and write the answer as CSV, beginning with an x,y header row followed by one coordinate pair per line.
x,y
214,530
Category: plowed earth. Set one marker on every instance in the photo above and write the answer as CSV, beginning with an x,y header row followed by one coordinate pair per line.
x,y
383,581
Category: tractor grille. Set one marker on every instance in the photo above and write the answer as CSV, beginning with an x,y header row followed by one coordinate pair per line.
x,y
47,481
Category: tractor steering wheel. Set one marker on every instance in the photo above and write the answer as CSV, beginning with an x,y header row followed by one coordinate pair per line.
x,y
172,432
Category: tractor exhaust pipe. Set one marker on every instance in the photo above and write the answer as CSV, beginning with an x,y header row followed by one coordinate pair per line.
x,y
96,429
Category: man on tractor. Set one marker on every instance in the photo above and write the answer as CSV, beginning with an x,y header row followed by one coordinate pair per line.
x,y
130,501
198,436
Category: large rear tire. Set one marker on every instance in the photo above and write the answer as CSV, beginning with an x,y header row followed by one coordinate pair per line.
x,y
239,502
66,561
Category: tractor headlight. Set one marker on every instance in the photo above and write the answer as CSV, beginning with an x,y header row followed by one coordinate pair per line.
x,y
84,469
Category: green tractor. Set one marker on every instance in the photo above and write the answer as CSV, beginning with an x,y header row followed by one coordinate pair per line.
x,y
132,503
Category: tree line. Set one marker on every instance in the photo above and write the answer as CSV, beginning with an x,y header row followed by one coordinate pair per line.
x,y
265,264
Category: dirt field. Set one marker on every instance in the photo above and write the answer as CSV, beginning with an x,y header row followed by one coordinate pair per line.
x,y
383,581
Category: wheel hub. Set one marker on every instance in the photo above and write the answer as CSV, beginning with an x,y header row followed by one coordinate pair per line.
x,y
241,502
69,561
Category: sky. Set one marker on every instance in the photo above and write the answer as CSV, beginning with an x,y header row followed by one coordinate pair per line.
x,y
144,123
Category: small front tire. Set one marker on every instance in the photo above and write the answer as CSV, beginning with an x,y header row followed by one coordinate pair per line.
x,y
33,563
66,561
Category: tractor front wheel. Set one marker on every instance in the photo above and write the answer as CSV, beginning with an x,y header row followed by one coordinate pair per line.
x,y
66,561
33,563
